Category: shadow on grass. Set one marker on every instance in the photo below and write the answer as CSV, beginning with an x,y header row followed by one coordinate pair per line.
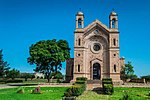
x,y
98,90
21,84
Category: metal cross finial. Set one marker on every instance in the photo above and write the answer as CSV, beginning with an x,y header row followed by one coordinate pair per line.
x,y
79,9
113,9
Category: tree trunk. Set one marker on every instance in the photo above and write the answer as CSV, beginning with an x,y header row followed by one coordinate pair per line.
x,y
48,77
48,73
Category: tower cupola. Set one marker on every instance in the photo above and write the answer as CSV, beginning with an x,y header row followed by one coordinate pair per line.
x,y
113,20
79,20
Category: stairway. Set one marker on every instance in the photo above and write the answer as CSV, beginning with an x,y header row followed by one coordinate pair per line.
x,y
93,84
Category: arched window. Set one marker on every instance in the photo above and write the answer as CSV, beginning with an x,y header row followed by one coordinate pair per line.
x,y
79,42
78,67
114,42
115,68
113,23
79,23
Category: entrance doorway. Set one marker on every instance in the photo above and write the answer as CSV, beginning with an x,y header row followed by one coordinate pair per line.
x,y
96,71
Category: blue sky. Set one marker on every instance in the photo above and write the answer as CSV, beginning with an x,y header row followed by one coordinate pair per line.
x,y
24,22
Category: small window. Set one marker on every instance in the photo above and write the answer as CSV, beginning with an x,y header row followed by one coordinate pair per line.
x,y
78,67
114,42
79,42
114,55
115,68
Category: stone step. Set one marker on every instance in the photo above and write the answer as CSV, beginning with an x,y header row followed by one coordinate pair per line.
x,y
93,86
94,82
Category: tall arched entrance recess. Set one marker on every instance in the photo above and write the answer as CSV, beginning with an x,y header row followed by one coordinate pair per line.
x,y
96,71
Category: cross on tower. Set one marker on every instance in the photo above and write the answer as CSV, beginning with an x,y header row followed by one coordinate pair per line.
x,y
113,9
79,9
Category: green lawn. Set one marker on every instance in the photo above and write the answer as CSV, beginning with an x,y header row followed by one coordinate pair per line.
x,y
48,93
56,93
135,93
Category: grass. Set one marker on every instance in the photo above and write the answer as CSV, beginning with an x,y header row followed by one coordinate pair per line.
x,y
135,93
48,93
56,93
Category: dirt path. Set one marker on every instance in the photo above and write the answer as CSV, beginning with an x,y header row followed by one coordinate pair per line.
x,y
3,86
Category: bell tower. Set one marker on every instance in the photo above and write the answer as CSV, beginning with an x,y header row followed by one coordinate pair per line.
x,y
79,46
113,20
79,20
114,51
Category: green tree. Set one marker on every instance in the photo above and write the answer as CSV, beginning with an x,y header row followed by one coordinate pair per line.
x,y
48,55
127,72
14,73
129,69
27,75
56,75
4,66
147,78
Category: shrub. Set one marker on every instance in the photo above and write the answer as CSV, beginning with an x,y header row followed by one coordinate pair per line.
x,y
81,79
2,81
80,82
13,81
37,90
68,93
149,93
107,80
20,90
107,86
74,90
108,89
58,81
126,96
78,88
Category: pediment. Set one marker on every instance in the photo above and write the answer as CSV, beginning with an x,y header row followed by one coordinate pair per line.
x,y
96,28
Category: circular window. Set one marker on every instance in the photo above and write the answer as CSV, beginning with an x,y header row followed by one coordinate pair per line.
x,y
96,47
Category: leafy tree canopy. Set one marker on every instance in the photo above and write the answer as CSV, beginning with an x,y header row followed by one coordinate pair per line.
x,y
27,75
56,75
4,66
14,73
129,69
147,78
128,72
48,55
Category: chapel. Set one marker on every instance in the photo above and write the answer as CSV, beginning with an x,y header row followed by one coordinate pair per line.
x,y
96,50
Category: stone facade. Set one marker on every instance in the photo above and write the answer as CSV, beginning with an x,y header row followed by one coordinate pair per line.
x,y
96,50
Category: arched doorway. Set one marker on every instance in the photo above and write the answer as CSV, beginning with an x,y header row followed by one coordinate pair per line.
x,y
96,71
